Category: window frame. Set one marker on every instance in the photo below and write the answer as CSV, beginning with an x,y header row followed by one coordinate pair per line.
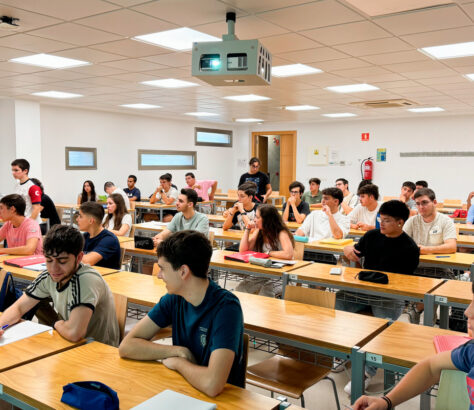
x,y
80,149
215,131
166,152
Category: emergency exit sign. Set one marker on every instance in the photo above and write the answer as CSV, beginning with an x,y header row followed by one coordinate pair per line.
x,y
365,136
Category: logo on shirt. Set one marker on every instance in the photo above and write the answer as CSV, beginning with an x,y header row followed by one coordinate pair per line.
x,y
470,388
203,336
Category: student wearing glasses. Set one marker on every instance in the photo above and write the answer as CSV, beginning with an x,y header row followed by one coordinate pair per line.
x,y
264,189
295,210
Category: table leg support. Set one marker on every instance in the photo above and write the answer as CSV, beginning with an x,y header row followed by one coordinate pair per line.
x,y
425,401
429,302
357,373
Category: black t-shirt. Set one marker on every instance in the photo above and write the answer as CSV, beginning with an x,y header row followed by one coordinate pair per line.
x,y
303,208
397,255
49,211
260,179
106,245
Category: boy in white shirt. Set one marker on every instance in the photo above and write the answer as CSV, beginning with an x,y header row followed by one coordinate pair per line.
x,y
364,215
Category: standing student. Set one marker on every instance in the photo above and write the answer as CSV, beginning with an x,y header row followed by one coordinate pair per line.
x,y
165,194
243,211
82,299
88,193
202,187
295,210
133,193
23,234
314,195
110,188
264,189
48,209
30,192
207,320
118,220
350,199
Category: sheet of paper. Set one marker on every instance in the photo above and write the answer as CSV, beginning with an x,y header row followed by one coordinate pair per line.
x,y
21,331
169,399
284,261
153,224
39,267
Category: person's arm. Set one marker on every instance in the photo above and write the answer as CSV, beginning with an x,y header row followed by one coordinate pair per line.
x,y
286,211
122,231
158,238
133,198
449,246
35,211
14,313
268,187
469,199
27,249
247,243
168,200
300,232
92,258
305,211
336,231
79,197
229,217
203,226
287,250
213,191
75,328
153,198
209,379
364,227
419,379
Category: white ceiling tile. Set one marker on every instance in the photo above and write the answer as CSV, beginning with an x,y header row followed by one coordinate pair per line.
x,y
8,53
21,68
96,69
341,64
362,74
444,80
287,42
130,48
134,77
390,85
134,65
172,59
128,3
415,75
459,62
398,57
252,6
440,37
378,8
469,9
89,54
314,55
33,44
415,66
28,21
365,48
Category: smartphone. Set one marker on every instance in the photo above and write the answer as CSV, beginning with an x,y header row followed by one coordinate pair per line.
x,y
335,271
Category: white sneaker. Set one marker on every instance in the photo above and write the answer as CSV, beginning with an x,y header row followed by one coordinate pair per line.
x,y
347,387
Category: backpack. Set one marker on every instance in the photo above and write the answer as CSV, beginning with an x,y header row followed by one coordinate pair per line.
x,y
9,295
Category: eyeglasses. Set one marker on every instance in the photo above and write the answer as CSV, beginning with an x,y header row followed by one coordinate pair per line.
x,y
294,192
386,221
423,203
255,166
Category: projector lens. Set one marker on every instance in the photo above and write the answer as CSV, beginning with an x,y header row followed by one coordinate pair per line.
x,y
210,62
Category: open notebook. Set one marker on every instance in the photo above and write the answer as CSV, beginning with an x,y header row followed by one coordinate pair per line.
x,y
449,342
169,399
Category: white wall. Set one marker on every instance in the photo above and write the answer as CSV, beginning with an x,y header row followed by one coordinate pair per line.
x,y
449,177
117,138
8,145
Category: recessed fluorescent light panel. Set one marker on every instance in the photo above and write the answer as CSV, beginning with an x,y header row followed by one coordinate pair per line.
x,y
469,76
294,69
202,114
141,106
449,50
340,115
301,107
247,97
170,83
180,39
352,88
49,61
56,94
248,120
426,109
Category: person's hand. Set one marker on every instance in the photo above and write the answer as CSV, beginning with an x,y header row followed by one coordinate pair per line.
x,y
471,194
196,186
226,213
240,207
156,240
171,362
370,403
352,253
326,210
402,198
363,226
185,353
250,225
291,200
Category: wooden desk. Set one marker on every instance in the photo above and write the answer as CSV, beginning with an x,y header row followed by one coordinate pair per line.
x,y
144,207
465,228
123,239
71,208
465,241
317,246
39,384
454,261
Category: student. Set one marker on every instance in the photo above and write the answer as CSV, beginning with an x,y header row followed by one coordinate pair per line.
x,y
350,199
118,220
165,194
30,192
110,189
420,185
264,189
101,247
386,249
88,193
427,373
243,211
408,189
23,234
270,236
470,208
364,215
207,320
133,193
314,195
48,209
327,222
186,218
83,300
202,187
295,210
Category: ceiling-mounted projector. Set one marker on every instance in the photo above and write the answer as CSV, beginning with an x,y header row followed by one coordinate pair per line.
x,y
232,61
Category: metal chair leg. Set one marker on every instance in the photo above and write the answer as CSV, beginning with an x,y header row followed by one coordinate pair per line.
x,y
335,392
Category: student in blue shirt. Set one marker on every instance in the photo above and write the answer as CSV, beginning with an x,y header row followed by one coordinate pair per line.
x,y
427,373
132,191
206,320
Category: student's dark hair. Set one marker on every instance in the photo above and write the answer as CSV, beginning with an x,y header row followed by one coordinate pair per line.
x,y
14,200
108,184
63,238
93,209
191,195
369,189
396,209
409,184
343,180
190,174
166,177
336,193
21,163
364,182
120,211
189,248
296,184
254,159
133,177
317,181
84,195
422,183
272,225
249,188
425,191
38,182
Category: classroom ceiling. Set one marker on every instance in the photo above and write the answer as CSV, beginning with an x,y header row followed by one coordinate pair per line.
x,y
351,41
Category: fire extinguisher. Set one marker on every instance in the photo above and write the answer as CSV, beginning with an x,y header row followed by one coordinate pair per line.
x,y
367,168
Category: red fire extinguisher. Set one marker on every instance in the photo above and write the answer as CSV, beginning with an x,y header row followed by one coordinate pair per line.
x,y
367,168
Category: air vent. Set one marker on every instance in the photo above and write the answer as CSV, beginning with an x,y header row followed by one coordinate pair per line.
x,y
400,103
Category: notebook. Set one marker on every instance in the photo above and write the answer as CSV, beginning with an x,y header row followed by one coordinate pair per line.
x,y
244,256
332,241
449,342
169,399
25,261
21,331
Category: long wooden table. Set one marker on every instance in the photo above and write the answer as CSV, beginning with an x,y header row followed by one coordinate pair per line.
x,y
39,384
144,207
465,228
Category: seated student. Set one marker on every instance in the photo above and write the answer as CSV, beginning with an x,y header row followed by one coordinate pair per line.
x,y
364,215
23,234
186,218
48,209
327,222
110,189
118,220
427,373
314,195
207,320
270,236
165,194
88,193
132,191
350,199
295,210
82,299
243,211
202,187
408,189
470,208
101,247
386,249
420,185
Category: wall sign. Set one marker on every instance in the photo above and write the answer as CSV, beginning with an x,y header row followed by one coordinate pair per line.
x,y
365,136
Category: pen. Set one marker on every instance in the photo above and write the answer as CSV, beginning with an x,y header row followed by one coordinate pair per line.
x,y
442,256
4,327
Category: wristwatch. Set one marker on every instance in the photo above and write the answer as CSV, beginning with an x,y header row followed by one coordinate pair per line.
x,y
243,213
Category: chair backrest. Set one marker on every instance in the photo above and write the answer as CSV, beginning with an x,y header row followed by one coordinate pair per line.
x,y
232,192
122,257
309,296
156,270
121,307
452,392
452,202
298,251
211,238
246,354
